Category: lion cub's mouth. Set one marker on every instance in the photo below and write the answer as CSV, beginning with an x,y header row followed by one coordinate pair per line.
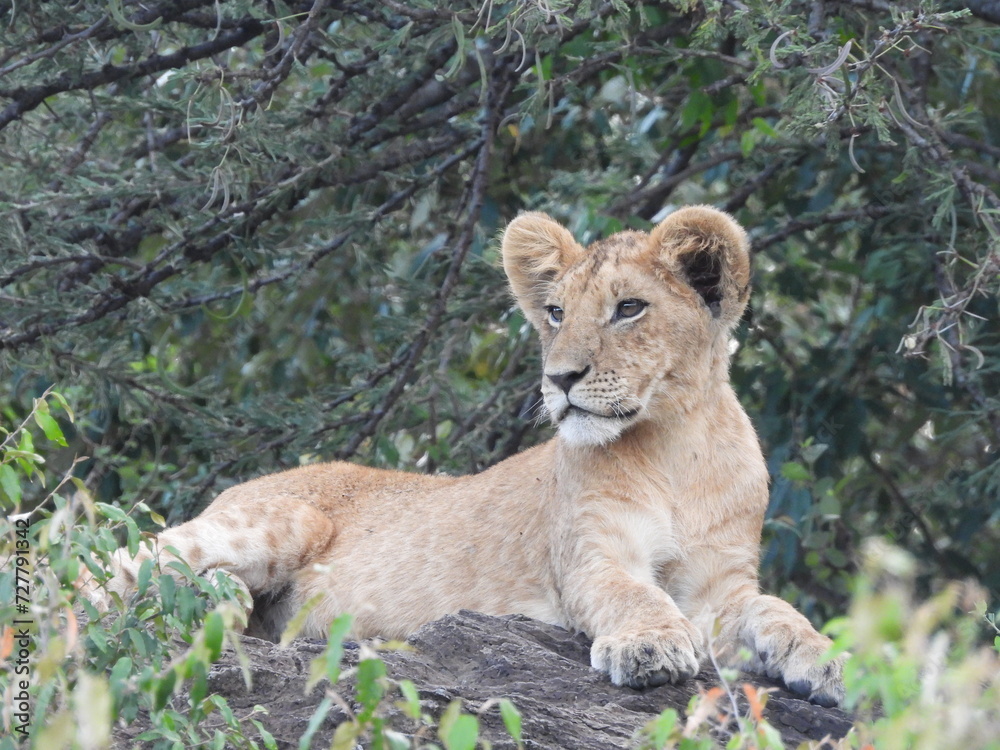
x,y
581,426
618,412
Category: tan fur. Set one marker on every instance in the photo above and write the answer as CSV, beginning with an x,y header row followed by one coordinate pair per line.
x,y
638,524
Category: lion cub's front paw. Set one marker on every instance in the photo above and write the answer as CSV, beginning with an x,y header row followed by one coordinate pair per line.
x,y
805,672
822,682
648,658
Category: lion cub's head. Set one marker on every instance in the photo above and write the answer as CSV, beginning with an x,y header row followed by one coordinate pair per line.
x,y
634,327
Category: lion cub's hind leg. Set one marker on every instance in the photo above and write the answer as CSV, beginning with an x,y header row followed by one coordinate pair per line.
x,y
260,546
125,569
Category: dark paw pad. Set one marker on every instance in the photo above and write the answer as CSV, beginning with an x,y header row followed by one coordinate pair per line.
x,y
652,679
802,687
823,699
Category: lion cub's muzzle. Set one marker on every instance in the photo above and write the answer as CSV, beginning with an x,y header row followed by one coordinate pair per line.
x,y
589,408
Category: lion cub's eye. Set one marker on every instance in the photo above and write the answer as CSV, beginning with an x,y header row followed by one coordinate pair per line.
x,y
629,308
555,315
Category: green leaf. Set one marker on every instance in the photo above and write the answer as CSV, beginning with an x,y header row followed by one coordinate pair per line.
x,y
168,591
339,629
215,629
411,700
144,576
813,451
836,558
163,689
305,741
227,713
27,455
111,512
132,538
370,686
64,404
771,735
198,683
118,681
747,141
121,670
448,718
462,734
295,625
327,664
796,472
764,127
397,40
51,428
27,443
345,736
511,719
10,484
267,737
99,638
662,727
459,58
396,740
829,506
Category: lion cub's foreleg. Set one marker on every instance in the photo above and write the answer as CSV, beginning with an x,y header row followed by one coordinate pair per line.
x,y
781,642
649,652
784,645
641,638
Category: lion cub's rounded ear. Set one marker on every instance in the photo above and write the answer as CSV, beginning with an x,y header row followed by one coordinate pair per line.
x,y
536,249
709,251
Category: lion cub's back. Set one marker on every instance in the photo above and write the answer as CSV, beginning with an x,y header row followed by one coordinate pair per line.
x,y
337,490
291,519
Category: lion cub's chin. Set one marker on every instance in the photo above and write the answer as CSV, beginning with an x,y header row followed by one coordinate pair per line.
x,y
578,428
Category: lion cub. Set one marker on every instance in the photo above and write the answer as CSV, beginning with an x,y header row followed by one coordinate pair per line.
x,y
638,524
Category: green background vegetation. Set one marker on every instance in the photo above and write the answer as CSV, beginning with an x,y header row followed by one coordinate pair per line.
x,y
240,236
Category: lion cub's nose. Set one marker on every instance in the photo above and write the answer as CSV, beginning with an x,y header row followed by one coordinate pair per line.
x,y
567,380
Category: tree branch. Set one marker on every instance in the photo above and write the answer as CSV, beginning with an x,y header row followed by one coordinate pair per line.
x,y
27,99
476,193
795,226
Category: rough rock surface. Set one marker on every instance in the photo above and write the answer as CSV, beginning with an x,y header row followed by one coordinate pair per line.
x,y
544,670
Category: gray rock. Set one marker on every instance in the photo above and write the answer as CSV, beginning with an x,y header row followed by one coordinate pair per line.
x,y
544,670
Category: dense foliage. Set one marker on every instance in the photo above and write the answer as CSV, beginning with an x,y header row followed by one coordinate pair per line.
x,y
240,236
